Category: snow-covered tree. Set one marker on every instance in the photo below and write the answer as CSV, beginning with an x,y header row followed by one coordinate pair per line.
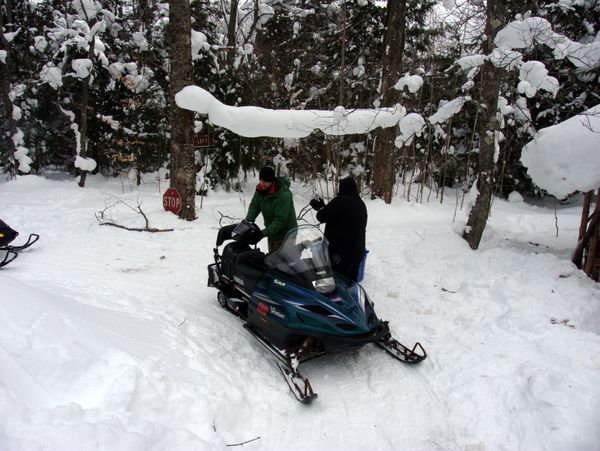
x,y
77,53
16,158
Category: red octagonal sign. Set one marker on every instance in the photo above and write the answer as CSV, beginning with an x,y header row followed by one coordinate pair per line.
x,y
172,200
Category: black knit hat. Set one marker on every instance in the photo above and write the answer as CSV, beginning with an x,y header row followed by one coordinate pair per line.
x,y
348,187
267,174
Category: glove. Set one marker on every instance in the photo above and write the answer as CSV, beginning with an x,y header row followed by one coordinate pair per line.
x,y
317,204
255,236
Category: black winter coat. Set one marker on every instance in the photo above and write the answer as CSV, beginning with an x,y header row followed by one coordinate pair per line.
x,y
345,219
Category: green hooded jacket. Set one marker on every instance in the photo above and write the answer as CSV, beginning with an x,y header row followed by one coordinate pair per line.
x,y
277,208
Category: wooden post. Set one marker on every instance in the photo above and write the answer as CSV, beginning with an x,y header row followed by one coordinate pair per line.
x,y
585,242
590,258
585,217
587,200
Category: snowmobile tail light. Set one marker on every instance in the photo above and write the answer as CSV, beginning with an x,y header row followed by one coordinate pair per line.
x,y
325,285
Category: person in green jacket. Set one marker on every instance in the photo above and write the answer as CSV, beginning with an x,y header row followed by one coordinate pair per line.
x,y
274,200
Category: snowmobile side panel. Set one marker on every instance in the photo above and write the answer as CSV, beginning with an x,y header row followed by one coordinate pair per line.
x,y
289,312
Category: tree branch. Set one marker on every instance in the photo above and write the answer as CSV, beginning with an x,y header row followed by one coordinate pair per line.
x,y
109,222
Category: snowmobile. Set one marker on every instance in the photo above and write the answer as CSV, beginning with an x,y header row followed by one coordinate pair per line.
x,y
8,252
292,302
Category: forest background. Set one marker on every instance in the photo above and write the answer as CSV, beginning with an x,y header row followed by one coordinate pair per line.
x,y
85,87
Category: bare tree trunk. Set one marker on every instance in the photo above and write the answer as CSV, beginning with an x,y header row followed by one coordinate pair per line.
x,y
85,99
487,127
183,166
383,165
231,32
335,143
343,55
9,126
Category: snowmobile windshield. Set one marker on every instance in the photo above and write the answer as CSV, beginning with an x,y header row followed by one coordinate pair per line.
x,y
304,256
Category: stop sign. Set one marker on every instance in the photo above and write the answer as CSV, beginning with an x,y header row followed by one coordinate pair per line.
x,y
172,200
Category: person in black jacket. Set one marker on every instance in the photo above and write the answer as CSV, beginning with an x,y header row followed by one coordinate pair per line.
x,y
345,219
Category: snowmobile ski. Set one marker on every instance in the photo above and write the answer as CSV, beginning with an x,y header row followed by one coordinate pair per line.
x,y
401,352
9,256
32,239
299,385
288,366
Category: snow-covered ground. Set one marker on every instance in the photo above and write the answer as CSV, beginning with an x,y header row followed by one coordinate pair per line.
x,y
111,340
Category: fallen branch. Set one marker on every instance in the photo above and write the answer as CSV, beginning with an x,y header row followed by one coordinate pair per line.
x,y
109,222
243,443
136,229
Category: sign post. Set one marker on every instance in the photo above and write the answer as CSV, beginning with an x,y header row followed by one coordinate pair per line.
x,y
172,200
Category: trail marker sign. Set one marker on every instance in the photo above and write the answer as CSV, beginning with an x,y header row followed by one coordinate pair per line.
x,y
201,141
172,200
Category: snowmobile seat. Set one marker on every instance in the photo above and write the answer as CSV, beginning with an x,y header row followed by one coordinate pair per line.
x,y
249,267
228,259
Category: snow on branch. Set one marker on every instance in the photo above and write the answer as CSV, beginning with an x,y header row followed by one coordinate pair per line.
x,y
410,125
447,110
412,82
52,75
413,124
526,33
253,122
87,9
565,157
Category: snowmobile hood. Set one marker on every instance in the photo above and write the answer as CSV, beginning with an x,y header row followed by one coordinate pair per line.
x,y
345,312
292,280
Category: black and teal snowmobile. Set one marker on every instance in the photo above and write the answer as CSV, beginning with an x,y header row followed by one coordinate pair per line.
x,y
294,304
9,252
